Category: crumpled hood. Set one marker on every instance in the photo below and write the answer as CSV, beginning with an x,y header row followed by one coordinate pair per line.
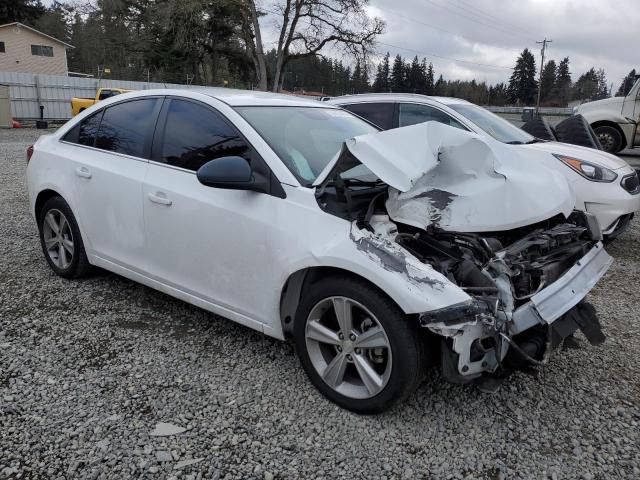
x,y
597,157
459,181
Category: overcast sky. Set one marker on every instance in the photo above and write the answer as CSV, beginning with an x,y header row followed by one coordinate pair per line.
x,y
599,33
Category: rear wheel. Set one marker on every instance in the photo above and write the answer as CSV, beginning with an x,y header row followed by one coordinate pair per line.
x,y
610,138
60,239
357,347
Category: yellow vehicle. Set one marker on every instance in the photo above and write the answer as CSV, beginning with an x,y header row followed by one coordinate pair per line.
x,y
80,104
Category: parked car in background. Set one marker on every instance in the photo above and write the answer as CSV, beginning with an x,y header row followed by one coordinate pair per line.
x,y
615,120
605,185
375,252
81,104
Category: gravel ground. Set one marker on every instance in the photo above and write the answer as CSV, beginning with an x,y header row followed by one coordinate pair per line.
x,y
88,368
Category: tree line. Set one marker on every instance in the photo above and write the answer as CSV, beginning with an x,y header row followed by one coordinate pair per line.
x,y
220,43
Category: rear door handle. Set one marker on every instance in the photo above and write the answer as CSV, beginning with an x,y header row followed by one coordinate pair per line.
x,y
83,172
160,198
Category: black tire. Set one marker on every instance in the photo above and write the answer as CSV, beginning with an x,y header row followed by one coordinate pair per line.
x,y
610,138
577,131
406,345
78,264
539,128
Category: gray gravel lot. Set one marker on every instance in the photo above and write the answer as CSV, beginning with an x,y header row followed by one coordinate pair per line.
x,y
88,368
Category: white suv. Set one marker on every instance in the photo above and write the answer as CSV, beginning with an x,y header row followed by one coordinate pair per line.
x,y
605,185
301,220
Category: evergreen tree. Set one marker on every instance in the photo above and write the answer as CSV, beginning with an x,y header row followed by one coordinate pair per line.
x,y
397,77
381,82
498,94
415,79
563,83
440,87
24,11
430,87
587,87
627,83
603,88
548,80
522,84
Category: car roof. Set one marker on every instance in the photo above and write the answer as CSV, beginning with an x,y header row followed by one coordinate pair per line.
x,y
237,98
393,97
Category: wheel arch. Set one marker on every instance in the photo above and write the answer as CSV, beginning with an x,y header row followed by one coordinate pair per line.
x,y
41,198
609,123
298,281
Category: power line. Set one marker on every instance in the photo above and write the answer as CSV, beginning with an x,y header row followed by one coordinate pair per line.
x,y
480,21
416,21
443,57
493,18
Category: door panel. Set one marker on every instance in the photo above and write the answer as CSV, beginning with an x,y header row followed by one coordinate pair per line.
x,y
109,167
109,189
209,242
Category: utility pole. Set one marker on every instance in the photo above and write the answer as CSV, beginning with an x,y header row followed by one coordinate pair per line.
x,y
544,47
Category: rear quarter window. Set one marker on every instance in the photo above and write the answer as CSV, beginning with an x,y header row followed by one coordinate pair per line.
x,y
84,133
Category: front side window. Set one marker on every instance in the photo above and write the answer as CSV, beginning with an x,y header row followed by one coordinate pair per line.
x,y
305,138
42,50
413,113
195,134
125,127
85,132
380,114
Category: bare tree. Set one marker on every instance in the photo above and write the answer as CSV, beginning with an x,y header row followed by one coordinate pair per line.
x,y
306,28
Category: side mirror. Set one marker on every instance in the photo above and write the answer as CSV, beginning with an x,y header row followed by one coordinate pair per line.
x,y
232,173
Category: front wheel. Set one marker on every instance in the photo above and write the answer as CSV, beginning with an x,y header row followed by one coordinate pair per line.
x,y
357,347
610,138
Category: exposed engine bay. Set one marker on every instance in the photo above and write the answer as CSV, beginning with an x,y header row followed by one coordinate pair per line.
x,y
501,328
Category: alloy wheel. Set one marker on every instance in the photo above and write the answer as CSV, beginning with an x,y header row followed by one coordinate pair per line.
x,y
348,347
58,239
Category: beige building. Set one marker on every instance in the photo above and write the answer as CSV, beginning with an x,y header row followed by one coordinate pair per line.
x,y
26,50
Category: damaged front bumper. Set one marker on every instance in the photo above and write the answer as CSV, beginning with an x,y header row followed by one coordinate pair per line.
x,y
478,339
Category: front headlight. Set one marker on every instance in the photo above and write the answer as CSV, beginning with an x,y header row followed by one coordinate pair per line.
x,y
574,110
588,170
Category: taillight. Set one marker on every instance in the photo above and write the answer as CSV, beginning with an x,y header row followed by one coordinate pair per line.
x,y
29,152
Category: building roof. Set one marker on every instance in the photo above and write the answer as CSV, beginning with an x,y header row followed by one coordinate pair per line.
x,y
22,25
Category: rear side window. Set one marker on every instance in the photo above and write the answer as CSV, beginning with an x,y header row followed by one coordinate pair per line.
x,y
411,114
85,132
195,134
380,114
125,127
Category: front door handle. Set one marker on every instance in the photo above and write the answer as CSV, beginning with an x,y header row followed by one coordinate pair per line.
x,y
160,198
83,172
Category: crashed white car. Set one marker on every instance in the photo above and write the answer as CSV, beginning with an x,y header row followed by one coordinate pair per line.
x,y
379,253
605,185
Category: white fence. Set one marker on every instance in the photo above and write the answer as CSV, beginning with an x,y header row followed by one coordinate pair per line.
x,y
518,110
28,91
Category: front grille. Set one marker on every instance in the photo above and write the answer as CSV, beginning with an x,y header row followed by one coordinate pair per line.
x,y
631,183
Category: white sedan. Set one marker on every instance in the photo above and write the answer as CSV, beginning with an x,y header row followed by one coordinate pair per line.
x,y
374,251
605,185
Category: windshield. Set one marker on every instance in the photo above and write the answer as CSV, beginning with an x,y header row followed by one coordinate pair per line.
x,y
499,128
305,138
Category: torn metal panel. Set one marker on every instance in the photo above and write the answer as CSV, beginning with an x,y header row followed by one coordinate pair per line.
x,y
473,184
